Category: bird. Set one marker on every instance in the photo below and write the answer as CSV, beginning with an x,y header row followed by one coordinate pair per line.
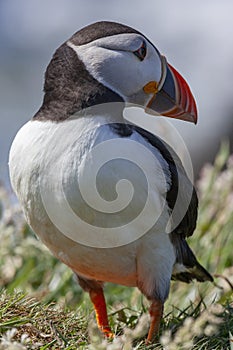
x,y
83,174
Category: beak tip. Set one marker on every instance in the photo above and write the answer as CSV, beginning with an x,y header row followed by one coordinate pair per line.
x,y
193,118
187,117
194,113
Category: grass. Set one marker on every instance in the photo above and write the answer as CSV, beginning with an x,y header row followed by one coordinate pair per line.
x,y
38,326
42,307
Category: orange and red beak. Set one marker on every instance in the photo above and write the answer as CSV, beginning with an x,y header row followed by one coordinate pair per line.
x,y
172,96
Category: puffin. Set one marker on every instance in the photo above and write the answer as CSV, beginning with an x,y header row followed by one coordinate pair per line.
x,y
110,199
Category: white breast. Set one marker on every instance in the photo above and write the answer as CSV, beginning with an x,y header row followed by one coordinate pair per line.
x,y
84,189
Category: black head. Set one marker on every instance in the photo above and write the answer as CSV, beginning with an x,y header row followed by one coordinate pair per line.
x,y
110,62
68,85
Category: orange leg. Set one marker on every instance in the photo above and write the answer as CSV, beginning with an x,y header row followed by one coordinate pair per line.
x,y
97,298
156,312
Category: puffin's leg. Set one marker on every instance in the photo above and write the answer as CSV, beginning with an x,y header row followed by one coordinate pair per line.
x,y
157,297
98,300
95,290
156,313
154,270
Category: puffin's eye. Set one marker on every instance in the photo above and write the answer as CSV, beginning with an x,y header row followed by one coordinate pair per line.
x,y
141,52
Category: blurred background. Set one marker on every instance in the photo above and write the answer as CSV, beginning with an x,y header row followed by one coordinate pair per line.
x,y
195,36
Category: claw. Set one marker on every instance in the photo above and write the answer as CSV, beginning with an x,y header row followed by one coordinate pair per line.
x,y
108,333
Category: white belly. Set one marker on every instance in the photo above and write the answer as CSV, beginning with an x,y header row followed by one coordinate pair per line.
x,y
90,219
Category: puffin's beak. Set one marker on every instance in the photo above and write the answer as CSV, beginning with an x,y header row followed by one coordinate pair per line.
x,y
171,95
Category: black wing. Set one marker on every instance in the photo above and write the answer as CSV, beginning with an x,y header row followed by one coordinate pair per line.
x,y
181,187
182,191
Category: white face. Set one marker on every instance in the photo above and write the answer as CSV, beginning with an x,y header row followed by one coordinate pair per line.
x,y
112,61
